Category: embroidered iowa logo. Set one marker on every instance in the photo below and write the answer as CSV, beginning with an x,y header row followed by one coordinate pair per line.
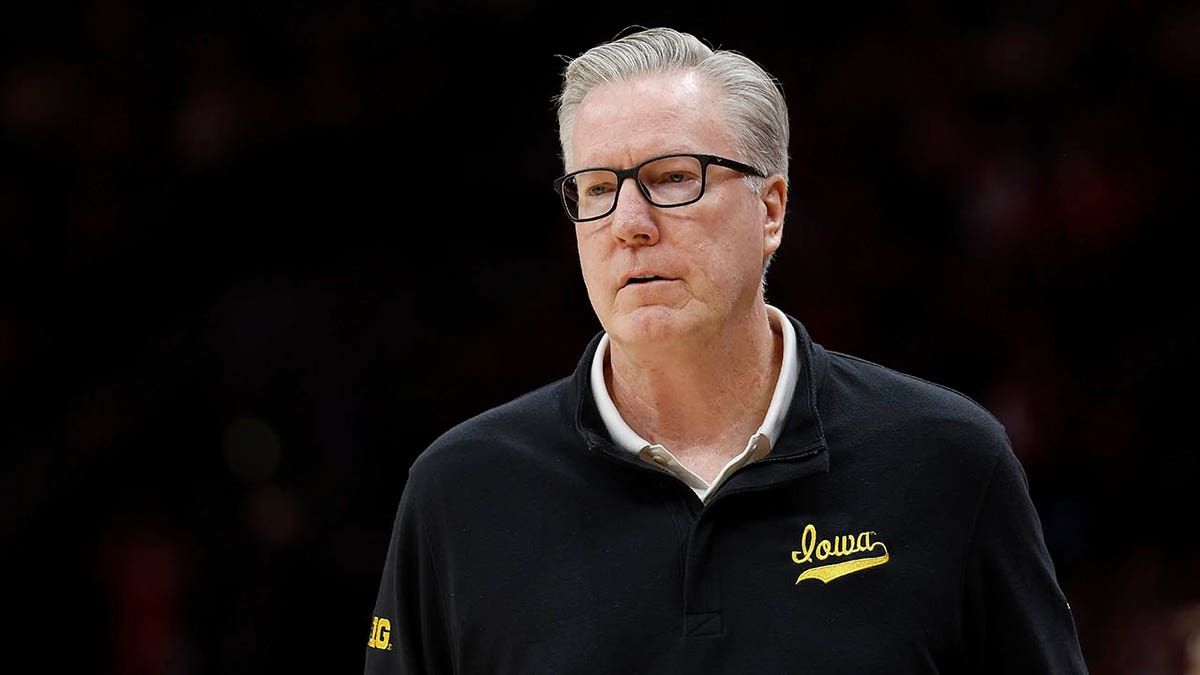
x,y
840,546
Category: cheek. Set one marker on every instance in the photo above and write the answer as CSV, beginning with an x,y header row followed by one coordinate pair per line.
x,y
591,265
732,264
586,248
587,251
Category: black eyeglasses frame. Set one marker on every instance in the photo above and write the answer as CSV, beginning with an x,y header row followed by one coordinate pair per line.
x,y
632,172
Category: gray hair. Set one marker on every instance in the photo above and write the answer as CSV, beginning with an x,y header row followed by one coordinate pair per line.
x,y
752,101
752,104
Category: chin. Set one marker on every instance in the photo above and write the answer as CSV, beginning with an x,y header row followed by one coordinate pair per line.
x,y
657,324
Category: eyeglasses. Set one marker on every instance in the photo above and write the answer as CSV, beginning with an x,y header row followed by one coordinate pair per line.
x,y
666,182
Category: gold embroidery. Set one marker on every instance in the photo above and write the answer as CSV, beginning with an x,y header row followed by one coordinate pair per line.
x,y
839,546
381,634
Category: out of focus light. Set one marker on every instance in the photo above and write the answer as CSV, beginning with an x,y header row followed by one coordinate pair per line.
x,y
1188,621
274,515
252,448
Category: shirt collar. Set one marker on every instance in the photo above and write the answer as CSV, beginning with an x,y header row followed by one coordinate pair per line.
x,y
624,437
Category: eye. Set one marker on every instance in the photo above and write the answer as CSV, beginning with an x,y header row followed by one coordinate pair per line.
x,y
673,170
597,183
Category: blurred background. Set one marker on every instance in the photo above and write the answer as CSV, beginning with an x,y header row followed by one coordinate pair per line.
x,y
247,276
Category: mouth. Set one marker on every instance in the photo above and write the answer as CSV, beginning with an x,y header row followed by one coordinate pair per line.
x,y
643,279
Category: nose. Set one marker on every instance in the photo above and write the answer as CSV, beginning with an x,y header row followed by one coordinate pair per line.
x,y
633,218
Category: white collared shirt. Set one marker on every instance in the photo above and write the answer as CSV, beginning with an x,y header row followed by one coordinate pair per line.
x,y
759,444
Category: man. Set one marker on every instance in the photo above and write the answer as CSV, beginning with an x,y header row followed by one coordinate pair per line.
x,y
710,491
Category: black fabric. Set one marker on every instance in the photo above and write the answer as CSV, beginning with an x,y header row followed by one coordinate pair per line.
x,y
890,530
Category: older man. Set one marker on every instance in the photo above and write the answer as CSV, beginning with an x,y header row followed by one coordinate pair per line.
x,y
710,491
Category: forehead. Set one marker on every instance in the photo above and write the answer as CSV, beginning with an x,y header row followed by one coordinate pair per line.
x,y
622,123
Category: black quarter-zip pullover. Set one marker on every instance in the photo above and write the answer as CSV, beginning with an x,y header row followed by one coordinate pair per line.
x,y
889,530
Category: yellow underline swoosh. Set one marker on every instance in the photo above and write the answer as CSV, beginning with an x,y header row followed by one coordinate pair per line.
x,y
827,573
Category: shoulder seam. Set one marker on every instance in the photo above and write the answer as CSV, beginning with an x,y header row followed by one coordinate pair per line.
x,y
437,579
970,544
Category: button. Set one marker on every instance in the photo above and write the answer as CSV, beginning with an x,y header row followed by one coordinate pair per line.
x,y
655,455
762,446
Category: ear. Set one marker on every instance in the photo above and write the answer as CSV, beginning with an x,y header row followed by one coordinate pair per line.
x,y
774,198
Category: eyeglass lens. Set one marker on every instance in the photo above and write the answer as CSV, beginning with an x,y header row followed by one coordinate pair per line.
x,y
669,181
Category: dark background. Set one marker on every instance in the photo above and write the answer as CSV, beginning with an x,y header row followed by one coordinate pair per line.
x,y
255,258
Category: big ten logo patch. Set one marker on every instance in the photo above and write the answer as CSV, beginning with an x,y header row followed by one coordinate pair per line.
x,y
381,634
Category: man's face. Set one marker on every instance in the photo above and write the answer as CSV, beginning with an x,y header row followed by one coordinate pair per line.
x,y
707,257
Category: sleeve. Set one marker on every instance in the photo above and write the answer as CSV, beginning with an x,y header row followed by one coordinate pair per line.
x,y
1017,618
409,633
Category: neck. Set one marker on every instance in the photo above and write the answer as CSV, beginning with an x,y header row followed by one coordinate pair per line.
x,y
708,393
